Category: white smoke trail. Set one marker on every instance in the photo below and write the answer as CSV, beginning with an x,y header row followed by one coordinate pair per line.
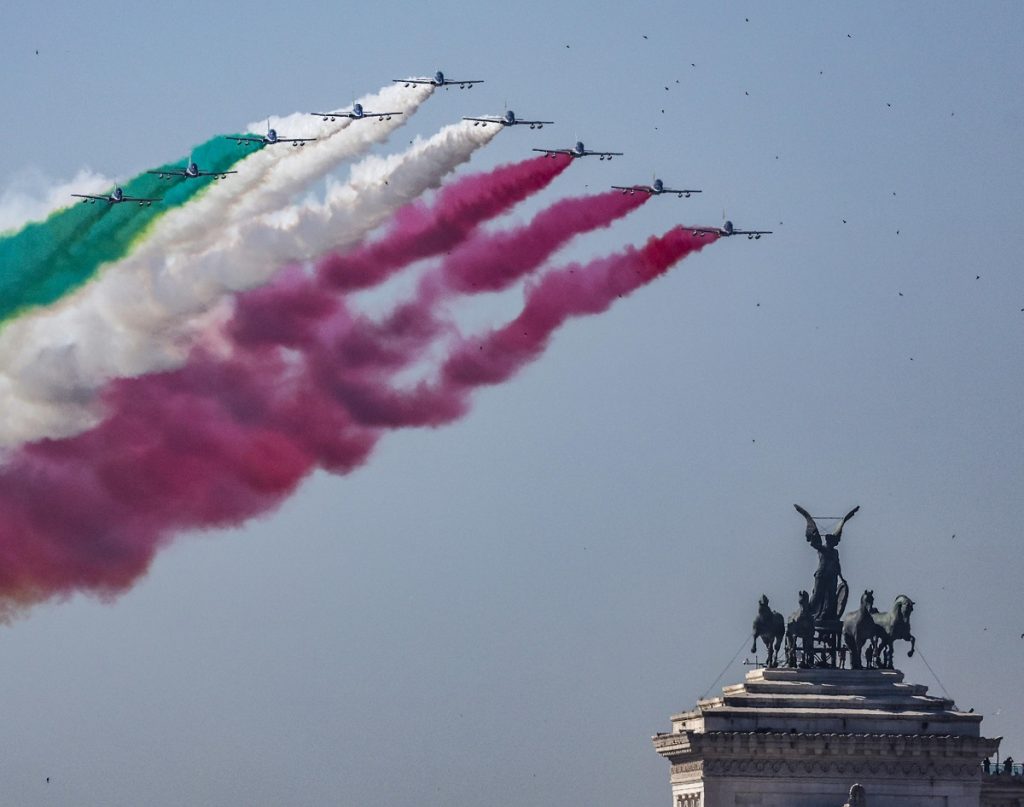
x,y
266,180
31,196
272,176
146,316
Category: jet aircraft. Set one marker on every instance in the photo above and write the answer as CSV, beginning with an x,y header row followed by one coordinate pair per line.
x,y
355,113
114,198
657,188
726,230
269,139
509,119
190,171
579,150
439,80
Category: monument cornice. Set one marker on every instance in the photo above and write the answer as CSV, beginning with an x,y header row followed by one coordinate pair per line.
x,y
773,745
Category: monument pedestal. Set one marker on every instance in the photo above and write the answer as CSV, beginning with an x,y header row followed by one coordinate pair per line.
x,y
801,737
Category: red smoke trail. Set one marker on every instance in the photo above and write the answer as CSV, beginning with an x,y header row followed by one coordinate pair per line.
x,y
420,231
293,312
288,310
485,262
489,262
558,295
208,445
570,292
222,440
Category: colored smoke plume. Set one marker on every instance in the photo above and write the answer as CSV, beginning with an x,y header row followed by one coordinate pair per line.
x,y
140,318
221,440
420,230
45,260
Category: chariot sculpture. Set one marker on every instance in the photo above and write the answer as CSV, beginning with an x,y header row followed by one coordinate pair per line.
x,y
818,634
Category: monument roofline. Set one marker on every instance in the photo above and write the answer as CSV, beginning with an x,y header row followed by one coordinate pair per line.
x,y
869,702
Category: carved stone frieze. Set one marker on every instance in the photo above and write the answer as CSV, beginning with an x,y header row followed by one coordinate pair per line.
x,y
843,769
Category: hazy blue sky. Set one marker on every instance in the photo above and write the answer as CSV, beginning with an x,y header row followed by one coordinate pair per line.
x,y
504,611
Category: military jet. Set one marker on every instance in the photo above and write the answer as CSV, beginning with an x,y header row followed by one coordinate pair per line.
x,y
190,171
355,113
116,197
509,119
726,230
655,189
579,150
439,80
269,139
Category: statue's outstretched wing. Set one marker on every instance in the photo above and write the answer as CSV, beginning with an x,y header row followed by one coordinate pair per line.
x,y
839,530
812,534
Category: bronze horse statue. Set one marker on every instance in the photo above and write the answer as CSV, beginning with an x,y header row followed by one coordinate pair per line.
x,y
859,628
770,626
888,628
800,627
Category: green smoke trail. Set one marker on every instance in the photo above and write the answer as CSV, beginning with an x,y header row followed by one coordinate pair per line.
x,y
45,260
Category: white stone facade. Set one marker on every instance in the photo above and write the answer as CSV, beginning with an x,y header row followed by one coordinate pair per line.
x,y
800,738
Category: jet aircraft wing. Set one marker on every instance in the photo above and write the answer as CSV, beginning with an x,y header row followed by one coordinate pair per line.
x,y
353,115
656,190
446,82
110,199
182,172
680,192
533,124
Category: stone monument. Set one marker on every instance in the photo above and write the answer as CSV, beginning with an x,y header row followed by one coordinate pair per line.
x,y
798,735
